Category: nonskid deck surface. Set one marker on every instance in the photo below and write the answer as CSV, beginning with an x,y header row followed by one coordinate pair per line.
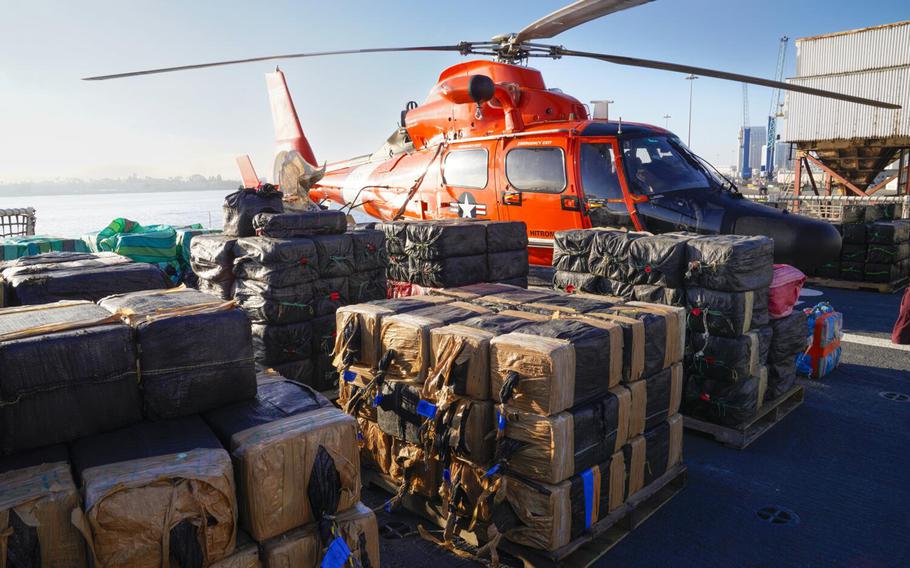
x,y
831,481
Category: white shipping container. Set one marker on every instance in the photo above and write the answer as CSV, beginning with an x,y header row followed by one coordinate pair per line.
x,y
818,118
855,50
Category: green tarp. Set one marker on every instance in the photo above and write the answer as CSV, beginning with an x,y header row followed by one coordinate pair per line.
x,y
12,248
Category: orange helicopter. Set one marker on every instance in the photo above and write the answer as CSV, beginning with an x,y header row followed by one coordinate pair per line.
x,y
491,141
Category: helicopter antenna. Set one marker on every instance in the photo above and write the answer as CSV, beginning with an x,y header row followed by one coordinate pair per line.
x,y
619,129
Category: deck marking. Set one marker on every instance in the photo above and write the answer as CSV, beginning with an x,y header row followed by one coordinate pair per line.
x,y
873,341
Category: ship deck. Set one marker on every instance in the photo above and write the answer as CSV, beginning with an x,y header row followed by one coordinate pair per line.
x,y
840,462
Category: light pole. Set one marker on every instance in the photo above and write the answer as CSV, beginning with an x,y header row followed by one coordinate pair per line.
x,y
691,79
667,118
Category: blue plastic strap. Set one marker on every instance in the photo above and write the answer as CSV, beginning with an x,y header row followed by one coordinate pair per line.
x,y
349,376
447,475
500,421
336,555
426,409
587,480
377,401
492,471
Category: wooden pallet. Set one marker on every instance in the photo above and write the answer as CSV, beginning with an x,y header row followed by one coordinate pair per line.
x,y
887,288
741,436
580,553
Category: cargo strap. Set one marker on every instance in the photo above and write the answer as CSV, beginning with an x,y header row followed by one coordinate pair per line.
x,y
358,398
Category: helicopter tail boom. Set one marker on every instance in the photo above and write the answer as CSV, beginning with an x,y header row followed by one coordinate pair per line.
x,y
288,133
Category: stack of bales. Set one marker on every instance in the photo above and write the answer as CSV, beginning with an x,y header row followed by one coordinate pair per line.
x,y
876,248
535,412
451,253
167,442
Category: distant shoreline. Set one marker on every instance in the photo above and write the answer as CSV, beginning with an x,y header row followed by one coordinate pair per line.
x,y
20,191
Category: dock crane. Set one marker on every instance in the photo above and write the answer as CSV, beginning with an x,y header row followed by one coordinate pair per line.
x,y
775,110
744,139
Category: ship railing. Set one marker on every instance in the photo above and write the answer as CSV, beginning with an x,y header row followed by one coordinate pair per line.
x,y
17,222
831,207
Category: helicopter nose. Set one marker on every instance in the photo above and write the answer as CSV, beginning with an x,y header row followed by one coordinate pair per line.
x,y
803,242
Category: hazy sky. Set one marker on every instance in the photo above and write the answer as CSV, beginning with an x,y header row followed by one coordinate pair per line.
x,y
54,125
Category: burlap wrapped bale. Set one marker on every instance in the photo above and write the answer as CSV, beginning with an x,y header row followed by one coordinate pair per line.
x,y
276,262
436,240
68,370
887,253
359,327
245,555
725,403
37,499
276,344
406,337
513,298
724,358
610,254
650,455
571,282
788,337
296,458
571,250
460,361
307,546
396,236
548,367
720,313
732,263
375,446
448,272
553,448
212,257
414,470
300,224
352,384
659,294
266,304
506,236
655,398
369,250
157,494
658,260
854,234
195,352
853,252
507,265
781,378
852,271
548,517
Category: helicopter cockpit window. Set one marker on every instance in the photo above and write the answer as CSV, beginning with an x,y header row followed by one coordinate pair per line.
x,y
466,168
655,165
541,170
599,176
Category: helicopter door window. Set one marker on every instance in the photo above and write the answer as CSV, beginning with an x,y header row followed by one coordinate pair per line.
x,y
599,177
466,168
541,170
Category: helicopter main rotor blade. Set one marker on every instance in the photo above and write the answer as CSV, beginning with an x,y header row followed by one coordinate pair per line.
x,y
459,48
573,15
651,64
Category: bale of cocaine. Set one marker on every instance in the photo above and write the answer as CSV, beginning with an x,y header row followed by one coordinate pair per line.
x,y
658,260
730,263
37,499
53,277
295,456
325,376
513,298
195,351
655,399
268,305
571,250
788,339
157,488
244,204
571,282
729,314
652,454
73,361
212,259
439,239
299,223
276,262
730,404
368,281
447,272
726,359
277,344
245,555
610,254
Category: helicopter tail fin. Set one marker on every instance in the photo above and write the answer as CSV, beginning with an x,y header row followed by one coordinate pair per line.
x,y
288,133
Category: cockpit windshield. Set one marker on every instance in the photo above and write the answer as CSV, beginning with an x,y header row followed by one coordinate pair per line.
x,y
657,164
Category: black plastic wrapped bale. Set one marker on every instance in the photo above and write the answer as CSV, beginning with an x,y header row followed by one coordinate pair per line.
x,y
212,257
852,271
548,367
788,337
302,370
610,254
853,214
663,448
729,314
369,250
726,359
154,487
300,224
329,294
60,260
505,236
571,282
450,272
765,335
335,255
367,286
472,292
444,239
553,448
618,289
570,304
781,378
70,361
520,282
887,254
661,336
658,259
888,232
265,304
855,234
874,213
507,265
853,252
37,498
659,295
244,204
396,236
277,262
725,403
222,290
571,249
732,263
829,270
398,269
275,344
88,279
655,398
195,354
325,375
882,273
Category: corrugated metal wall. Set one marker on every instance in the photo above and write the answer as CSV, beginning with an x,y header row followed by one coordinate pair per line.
x,y
871,48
